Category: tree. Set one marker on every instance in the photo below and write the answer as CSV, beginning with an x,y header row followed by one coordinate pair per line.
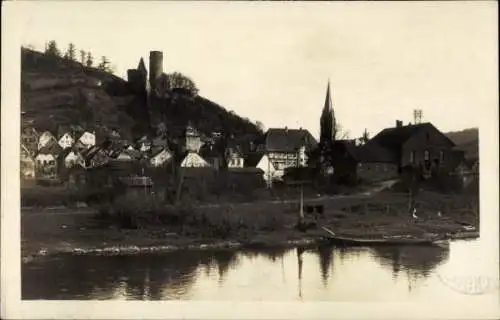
x,y
260,126
82,57
176,82
104,65
51,49
339,133
70,52
90,60
365,137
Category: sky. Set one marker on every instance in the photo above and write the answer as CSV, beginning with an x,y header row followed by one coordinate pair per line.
x,y
271,61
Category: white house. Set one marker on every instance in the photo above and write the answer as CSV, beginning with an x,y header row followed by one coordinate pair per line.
x,y
46,161
66,140
74,158
46,139
270,171
27,166
194,160
161,157
87,139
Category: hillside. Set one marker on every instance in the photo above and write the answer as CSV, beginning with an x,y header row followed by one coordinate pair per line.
x,y
57,92
467,140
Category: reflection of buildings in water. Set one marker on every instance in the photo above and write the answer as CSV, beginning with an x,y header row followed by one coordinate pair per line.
x,y
416,261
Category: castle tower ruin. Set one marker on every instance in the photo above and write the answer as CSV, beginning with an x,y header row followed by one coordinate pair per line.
x,y
155,68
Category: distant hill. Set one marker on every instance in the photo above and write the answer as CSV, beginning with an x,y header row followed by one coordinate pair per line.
x,y
57,92
466,140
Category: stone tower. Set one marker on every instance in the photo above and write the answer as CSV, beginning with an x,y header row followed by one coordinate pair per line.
x,y
155,68
138,78
328,124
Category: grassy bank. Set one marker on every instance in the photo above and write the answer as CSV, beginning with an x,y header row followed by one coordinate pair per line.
x,y
154,227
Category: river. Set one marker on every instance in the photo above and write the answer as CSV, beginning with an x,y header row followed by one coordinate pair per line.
x,y
319,274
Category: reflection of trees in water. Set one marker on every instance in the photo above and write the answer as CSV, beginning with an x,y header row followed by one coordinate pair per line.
x,y
141,277
97,277
273,254
325,255
415,261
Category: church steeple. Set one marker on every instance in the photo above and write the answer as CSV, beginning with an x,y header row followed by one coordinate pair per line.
x,y
327,120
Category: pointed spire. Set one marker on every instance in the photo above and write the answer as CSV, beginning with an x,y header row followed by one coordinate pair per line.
x,y
328,100
142,65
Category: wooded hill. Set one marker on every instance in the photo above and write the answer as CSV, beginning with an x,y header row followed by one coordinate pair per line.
x,y
466,140
57,91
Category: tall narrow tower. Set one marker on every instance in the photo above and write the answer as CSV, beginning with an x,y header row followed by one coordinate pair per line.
x,y
328,124
155,68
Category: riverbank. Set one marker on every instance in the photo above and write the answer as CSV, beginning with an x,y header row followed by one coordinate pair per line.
x,y
260,224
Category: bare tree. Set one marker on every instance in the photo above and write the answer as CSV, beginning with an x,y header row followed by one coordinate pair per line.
x,y
340,133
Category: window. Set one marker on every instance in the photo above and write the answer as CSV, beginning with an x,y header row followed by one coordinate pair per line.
x,y
441,156
426,155
412,156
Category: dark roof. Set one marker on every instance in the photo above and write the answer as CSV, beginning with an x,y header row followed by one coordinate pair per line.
x,y
245,170
376,153
155,150
288,140
252,159
52,148
394,138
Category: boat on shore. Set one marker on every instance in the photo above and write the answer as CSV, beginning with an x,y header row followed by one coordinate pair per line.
x,y
340,240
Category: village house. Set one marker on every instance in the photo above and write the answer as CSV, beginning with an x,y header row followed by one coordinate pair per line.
x,y
287,148
421,145
66,140
144,144
261,161
27,168
193,160
73,158
375,163
87,140
160,156
46,139
46,161
29,138
192,140
234,157
95,156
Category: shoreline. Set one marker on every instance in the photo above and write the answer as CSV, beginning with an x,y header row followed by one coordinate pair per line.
x,y
260,225
129,250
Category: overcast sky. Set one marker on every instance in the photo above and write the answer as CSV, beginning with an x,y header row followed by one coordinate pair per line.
x,y
271,61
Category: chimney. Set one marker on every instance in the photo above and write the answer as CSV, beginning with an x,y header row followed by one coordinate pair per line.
x,y
399,123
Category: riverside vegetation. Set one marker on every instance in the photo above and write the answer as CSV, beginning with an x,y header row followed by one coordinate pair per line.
x,y
143,223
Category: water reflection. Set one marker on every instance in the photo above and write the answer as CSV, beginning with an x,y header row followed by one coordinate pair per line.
x,y
420,260
323,273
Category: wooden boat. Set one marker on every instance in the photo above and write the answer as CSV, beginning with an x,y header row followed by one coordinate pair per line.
x,y
357,241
